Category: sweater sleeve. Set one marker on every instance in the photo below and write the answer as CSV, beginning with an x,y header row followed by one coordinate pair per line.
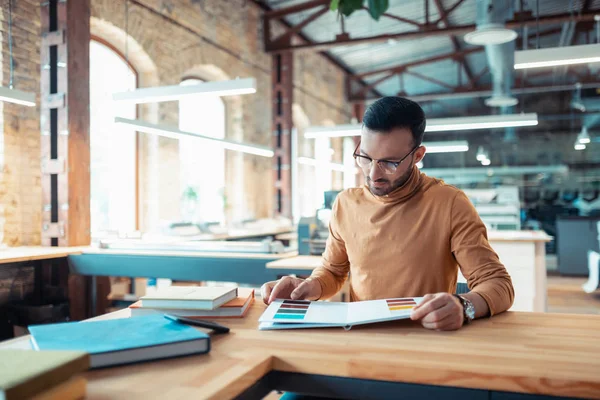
x,y
478,262
335,267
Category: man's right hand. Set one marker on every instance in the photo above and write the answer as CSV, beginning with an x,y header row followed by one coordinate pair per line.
x,y
291,288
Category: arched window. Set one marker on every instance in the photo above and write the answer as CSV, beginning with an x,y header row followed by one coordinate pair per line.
x,y
202,165
113,149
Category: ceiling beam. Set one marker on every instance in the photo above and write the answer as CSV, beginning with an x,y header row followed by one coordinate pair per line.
x,y
282,12
401,67
432,32
398,18
444,17
466,93
266,8
429,79
292,30
449,11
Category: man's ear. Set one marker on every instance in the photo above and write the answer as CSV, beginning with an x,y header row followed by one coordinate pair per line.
x,y
419,154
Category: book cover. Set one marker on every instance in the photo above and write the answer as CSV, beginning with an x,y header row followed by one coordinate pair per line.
x,y
190,297
236,308
122,341
26,373
294,314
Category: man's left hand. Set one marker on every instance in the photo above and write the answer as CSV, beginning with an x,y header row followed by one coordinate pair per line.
x,y
440,311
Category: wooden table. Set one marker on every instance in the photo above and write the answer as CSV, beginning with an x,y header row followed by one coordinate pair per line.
x,y
36,253
542,354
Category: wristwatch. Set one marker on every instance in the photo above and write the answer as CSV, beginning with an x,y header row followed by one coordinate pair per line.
x,y
468,309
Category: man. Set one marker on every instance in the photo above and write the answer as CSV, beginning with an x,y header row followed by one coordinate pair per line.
x,y
404,234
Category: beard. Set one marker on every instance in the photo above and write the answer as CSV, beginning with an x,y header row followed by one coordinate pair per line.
x,y
383,187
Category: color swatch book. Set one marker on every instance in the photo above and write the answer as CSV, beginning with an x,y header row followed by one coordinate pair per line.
x,y
122,341
190,297
294,314
26,373
235,308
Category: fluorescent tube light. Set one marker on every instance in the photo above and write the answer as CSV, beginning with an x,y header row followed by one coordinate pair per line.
x,y
579,146
177,92
437,125
550,57
175,133
333,166
447,147
486,162
481,122
333,131
17,96
584,136
480,154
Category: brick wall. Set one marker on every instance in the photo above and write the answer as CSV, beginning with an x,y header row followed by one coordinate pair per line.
x,y
169,40
187,38
20,170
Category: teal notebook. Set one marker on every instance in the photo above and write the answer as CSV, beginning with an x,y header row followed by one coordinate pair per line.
x,y
122,341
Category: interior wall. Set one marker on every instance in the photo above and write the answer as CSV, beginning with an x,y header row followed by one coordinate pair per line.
x,y
167,40
20,165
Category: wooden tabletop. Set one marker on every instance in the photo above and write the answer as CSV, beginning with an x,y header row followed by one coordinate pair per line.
x,y
538,353
34,253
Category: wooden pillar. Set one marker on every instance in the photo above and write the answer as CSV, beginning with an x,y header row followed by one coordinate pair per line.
x,y
65,130
282,78
358,110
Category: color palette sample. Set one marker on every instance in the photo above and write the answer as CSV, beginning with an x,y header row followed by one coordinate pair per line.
x,y
401,304
292,309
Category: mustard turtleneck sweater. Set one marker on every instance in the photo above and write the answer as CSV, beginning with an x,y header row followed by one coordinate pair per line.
x,y
410,243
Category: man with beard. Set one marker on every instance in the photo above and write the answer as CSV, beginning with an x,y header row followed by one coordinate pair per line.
x,y
404,234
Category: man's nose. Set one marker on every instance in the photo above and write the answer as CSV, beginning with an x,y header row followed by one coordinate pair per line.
x,y
375,172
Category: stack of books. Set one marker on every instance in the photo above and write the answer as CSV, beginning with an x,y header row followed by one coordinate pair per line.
x,y
26,374
196,302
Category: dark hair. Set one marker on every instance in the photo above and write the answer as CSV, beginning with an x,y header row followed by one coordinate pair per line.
x,y
392,112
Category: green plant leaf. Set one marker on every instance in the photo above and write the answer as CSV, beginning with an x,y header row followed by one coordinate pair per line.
x,y
347,7
334,5
378,7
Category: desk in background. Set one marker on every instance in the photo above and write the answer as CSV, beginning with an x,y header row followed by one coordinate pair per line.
x,y
497,358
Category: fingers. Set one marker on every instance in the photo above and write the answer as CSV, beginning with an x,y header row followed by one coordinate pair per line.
x,y
280,287
441,311
265,291
429,304
304,291
439,315
448,323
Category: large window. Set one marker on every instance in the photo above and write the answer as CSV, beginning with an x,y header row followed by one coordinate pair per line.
x,y
349,163
112,147
202,165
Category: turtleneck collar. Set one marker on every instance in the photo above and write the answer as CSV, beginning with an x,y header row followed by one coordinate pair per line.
x,y
403,193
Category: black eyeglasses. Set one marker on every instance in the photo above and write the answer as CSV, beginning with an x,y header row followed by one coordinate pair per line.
x,y
388,167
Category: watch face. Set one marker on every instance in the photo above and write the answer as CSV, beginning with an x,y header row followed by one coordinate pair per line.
x,y
470,310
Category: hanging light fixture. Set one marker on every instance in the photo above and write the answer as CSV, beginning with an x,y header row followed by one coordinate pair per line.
x,y
167,131
583,137
9,94
178,92
436,125
579,146
480,154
